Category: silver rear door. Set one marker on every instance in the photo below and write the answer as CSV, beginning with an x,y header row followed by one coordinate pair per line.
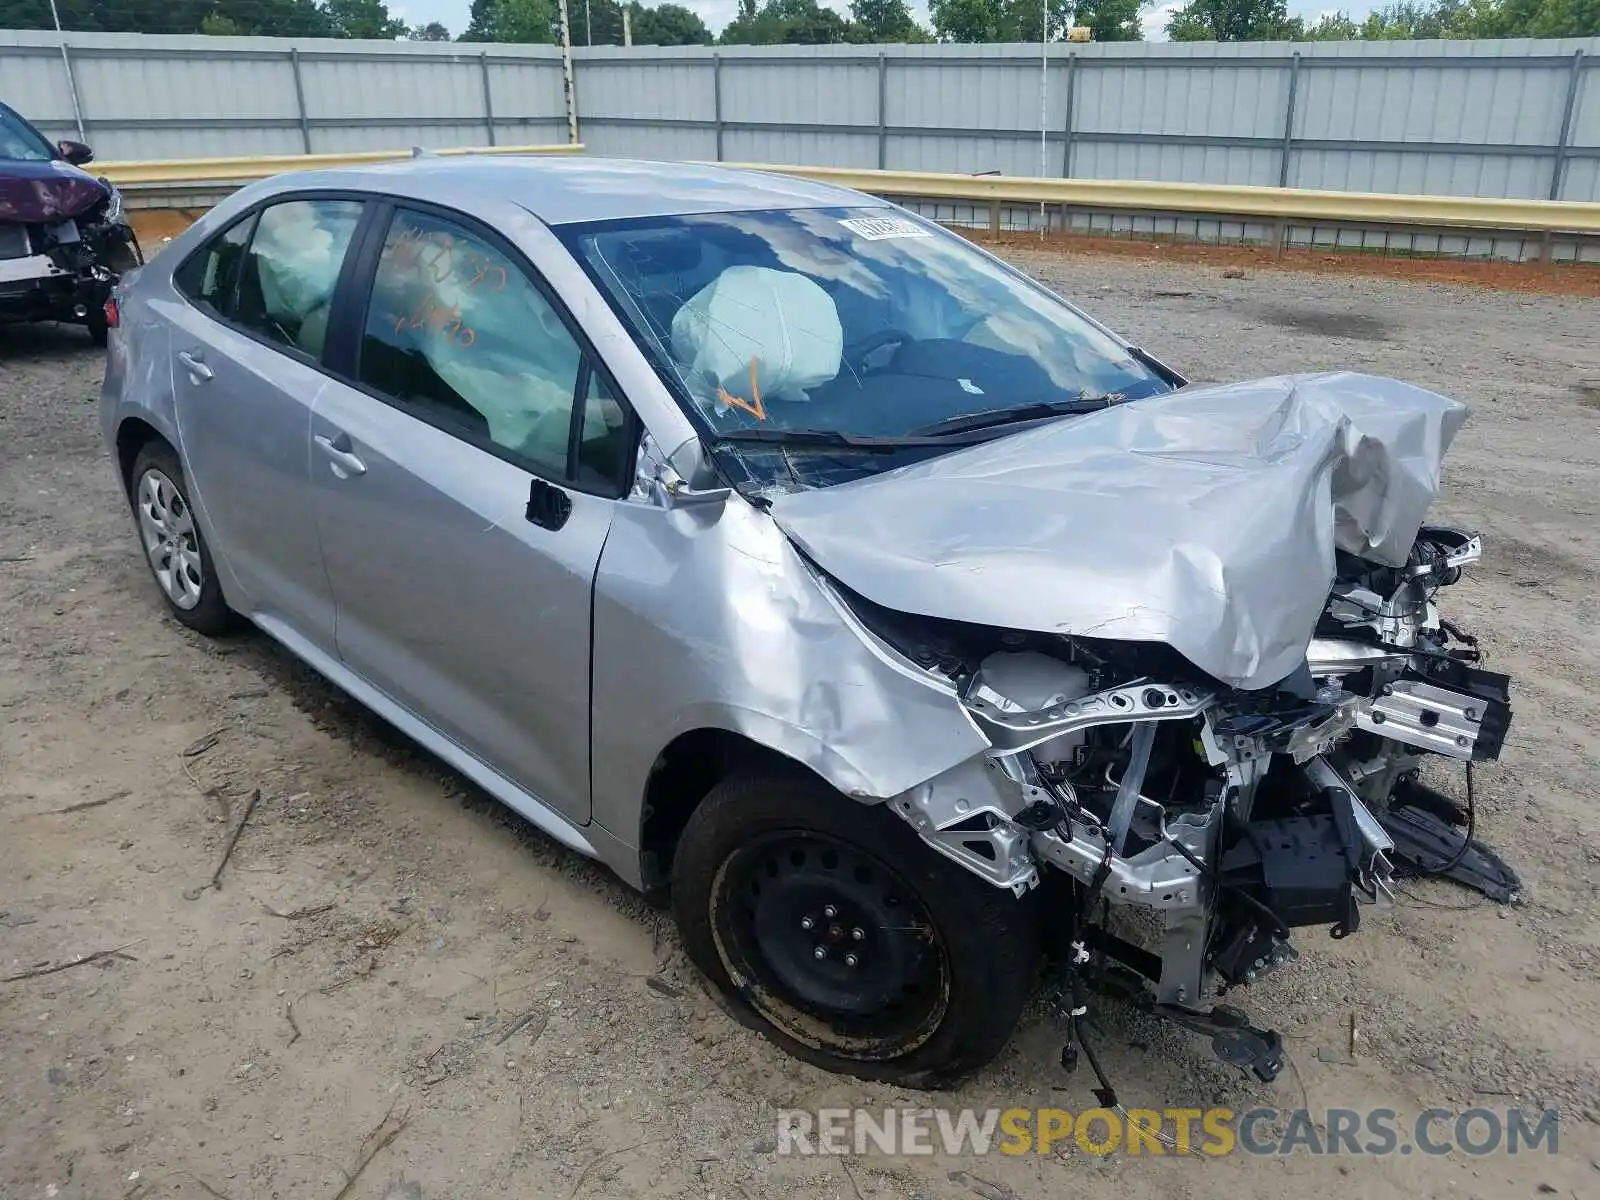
x,y
245,346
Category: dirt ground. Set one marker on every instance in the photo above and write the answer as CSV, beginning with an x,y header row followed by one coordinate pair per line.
x,y
347,1003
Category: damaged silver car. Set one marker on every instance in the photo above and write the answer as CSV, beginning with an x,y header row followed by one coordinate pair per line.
x,y
781,549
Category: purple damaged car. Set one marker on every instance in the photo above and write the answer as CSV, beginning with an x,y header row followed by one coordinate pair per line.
x,y
63,237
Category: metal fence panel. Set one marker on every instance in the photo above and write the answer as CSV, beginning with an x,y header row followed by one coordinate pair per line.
x,y
828,92
1517,118
650,141
1176,164
1140,96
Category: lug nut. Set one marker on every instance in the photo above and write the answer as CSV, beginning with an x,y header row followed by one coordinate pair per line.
x,y
820,952
857,933
830,911
850,960
808,922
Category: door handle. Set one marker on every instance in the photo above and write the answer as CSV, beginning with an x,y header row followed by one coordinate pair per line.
x,y
342,457
198,371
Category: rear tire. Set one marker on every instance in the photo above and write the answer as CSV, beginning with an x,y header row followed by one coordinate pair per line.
x,y
175,550
831,928
99,330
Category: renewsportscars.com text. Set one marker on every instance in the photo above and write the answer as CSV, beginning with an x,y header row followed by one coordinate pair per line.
x,y
1212,1132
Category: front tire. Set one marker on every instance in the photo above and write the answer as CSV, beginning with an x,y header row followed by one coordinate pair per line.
x,y
831,928
99,330
174,548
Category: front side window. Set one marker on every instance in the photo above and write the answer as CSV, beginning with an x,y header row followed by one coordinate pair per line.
x,y
20,142
291,269
210,276
458,334
862,322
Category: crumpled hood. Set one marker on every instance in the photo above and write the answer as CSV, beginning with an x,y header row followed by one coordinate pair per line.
x,y
1206,518
46,191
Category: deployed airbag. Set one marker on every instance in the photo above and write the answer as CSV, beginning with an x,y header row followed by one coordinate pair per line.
x,y
1205,518
755,332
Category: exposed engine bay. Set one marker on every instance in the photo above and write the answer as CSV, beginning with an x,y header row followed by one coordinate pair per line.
x,y
1194,825
62,269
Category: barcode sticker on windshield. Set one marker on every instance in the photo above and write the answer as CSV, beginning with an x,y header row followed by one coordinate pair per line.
x,y
879,229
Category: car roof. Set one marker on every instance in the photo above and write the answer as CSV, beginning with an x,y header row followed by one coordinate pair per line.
x,y
562,190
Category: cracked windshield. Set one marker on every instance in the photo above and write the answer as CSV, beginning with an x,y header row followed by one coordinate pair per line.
x,y
830,330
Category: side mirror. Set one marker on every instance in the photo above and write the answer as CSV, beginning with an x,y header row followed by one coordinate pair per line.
x,y
680,496
75,153
682,479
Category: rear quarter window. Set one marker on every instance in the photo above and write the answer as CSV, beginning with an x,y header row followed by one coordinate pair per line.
x,y
210,276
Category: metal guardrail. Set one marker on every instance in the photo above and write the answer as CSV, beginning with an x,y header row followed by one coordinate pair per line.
x,y
1231,200
218,174
1264,203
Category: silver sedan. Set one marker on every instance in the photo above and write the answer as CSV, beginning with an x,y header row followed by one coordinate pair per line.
x,y
782,549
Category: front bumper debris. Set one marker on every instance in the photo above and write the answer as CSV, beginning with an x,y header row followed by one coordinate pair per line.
x,y
1198,826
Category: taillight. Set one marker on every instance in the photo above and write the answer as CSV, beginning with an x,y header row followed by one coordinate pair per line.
x,y
113,313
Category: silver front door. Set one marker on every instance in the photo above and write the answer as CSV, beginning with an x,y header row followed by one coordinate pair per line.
x,y
461,556
451,600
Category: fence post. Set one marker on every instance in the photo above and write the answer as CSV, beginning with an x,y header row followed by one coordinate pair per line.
x,y
488,102
569,84
72,87
1288,121
883,110
1071,100
300,100
1564,142
716,99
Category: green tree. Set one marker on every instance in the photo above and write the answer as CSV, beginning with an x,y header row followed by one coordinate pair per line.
x,y
513,21
480,22
887,21
362,19
667,25
433,31
1024,20
795,22
597,23
1231,21
1110,20
1525,18
966,20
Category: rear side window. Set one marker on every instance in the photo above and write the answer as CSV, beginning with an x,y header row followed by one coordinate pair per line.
x,y
460,335
210,277
291,268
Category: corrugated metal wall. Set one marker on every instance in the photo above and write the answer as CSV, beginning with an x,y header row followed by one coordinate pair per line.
x,y
197,97
1506,118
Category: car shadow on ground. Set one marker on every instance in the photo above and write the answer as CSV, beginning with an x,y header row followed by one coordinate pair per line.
x,y
1132,1043
45,340
341,717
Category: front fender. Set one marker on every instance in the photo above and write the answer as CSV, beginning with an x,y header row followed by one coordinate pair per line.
x,y
707,617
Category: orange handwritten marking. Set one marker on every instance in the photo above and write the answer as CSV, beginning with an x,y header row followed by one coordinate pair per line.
x,y
440,321
435,254
756,409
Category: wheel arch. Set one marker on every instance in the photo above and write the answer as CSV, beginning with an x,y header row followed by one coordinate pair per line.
x,y
685,771
133,435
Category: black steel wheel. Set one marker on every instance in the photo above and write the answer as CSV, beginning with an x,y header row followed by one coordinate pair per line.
x,y
830,945
829,926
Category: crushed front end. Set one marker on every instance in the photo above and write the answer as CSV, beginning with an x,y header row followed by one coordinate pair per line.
x,y
1192,827
62,268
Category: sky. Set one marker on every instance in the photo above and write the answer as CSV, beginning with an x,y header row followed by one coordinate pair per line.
x,y
717,13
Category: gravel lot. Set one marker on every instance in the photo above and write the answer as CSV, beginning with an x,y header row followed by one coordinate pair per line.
x,y
382,924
